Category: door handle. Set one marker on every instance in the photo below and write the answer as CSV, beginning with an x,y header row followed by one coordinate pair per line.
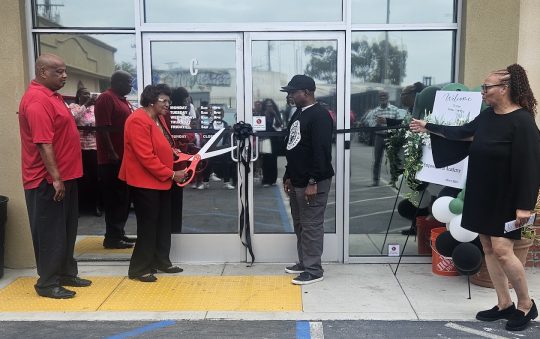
x,y
235,154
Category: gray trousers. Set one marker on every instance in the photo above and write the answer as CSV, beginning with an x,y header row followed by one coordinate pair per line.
x,y
54,230
308,225
378,152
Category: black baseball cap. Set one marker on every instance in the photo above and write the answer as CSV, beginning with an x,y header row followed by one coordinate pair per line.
x,y
299,81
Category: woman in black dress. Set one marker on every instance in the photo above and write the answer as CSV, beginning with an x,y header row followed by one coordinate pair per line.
x,y
502,183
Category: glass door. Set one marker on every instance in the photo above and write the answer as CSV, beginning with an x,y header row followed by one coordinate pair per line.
x,y
271,61
205,73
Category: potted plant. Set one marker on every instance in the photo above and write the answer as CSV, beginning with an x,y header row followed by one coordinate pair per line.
x,y
521,248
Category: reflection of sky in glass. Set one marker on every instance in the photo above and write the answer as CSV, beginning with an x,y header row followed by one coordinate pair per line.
x,y
124,44
95,13
429,53
402,11
171,11
209,54
285,57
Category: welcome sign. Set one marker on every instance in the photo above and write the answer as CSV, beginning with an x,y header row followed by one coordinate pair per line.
x,y
452,109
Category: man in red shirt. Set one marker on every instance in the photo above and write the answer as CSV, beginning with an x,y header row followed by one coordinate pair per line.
x,y
51,163
111,111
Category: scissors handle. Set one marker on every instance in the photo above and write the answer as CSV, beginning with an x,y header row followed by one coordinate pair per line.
x,y
190,171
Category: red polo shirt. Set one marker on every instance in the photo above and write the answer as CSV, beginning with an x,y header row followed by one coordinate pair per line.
x,y
111,110
44,118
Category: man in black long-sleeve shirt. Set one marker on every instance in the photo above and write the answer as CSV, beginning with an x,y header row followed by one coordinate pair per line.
x,y
308,176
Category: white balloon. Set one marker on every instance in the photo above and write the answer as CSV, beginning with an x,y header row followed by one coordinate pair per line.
x,y
448,226
441,211
459,233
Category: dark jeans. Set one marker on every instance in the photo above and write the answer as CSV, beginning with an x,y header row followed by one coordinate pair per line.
x,y
116,201
54,230
308,223
153,212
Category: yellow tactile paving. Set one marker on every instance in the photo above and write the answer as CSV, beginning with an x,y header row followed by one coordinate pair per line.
x,y
20,296
169,293
208,293
95,245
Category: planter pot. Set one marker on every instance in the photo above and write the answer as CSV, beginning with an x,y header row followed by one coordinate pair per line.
x,y
521,248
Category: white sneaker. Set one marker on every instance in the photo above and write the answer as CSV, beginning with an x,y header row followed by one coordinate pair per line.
x,y
214,177
201,186
229,186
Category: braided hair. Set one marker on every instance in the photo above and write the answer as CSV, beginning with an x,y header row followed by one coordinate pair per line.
x,y
520,90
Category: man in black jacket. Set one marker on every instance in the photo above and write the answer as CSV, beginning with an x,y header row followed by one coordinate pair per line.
x,y
308,176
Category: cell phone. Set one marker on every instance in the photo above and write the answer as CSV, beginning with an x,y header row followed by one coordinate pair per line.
x,y
511,225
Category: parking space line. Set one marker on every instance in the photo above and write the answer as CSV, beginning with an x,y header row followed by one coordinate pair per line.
x,y
473,331
142,330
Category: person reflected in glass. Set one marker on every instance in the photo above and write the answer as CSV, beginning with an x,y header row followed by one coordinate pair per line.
x,y
147,168
502,184
83,113
383,115
269,154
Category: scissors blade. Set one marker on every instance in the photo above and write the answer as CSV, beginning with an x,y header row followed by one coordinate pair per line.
x,y
209,143
217,152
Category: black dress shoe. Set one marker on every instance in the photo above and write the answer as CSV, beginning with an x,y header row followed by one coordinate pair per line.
x,y
128,239
172,269
75,282
116,244
149,277
55,292
518,320
496,314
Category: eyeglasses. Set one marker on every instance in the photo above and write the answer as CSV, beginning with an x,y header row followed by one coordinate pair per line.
x,y
486,87
165,101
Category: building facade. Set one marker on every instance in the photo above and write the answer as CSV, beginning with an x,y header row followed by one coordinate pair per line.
x,y
230,57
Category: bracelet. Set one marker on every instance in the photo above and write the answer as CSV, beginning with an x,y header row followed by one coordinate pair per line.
x,y
173,173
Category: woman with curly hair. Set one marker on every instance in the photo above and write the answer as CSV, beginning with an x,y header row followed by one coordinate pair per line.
x,y
502,184
147,168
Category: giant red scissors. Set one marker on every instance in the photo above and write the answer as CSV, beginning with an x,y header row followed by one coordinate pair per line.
x,y
194,159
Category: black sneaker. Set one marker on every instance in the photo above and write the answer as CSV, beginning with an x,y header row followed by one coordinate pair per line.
x,y
496,314
294,269
306,278
518,320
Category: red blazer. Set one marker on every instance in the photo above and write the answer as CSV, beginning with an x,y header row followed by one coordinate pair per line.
x,y
148,156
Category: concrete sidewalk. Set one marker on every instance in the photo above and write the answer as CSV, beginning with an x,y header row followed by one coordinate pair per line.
x,y
348,292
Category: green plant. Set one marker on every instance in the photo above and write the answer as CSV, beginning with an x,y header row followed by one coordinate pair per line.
x,y
529,232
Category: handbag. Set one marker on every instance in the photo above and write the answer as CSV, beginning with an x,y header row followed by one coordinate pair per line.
x,y
266,146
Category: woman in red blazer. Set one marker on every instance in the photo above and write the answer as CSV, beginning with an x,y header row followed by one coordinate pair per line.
x,y
147,167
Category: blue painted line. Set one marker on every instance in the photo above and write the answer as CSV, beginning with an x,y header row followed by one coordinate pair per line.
x,y
302,330
282,212
144,329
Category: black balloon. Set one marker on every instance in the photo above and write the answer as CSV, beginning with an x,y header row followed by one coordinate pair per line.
x,y
478,244
467,258
445,244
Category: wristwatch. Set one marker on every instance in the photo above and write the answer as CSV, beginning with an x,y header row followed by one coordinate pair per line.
x,y
312,181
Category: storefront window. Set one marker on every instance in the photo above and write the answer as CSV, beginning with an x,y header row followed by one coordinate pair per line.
x,y
76,13
218,11
383,65
403,11
91,59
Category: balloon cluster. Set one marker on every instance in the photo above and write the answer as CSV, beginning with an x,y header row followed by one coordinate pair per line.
x,y
456,241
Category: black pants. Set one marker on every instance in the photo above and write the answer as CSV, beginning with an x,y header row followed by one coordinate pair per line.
x,y
177,197
54,230
116,201
269,168
153,211
89,192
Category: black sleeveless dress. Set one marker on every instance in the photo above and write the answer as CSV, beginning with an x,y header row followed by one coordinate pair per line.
x,y
504,168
